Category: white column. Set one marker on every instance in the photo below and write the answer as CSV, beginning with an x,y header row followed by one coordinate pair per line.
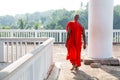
x,y
100,29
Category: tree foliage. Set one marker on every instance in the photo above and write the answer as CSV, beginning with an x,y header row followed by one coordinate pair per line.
x,y
116,21
52,19
21,23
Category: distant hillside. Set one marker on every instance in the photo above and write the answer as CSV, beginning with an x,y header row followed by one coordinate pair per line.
x,y
52,19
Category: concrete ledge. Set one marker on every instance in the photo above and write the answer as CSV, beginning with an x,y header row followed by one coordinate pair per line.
x,y
110,61
53,75
95,65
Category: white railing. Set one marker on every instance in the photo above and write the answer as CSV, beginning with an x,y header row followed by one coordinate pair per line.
x,y
59,35
32,66
116,36
12,49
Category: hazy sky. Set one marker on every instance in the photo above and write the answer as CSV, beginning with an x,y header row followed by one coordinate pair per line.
x,y
12,7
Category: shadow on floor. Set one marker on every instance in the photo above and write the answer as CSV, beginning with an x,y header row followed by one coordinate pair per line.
x,y
113,70
80,75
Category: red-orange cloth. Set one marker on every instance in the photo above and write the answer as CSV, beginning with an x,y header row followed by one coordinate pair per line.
x,y
74,42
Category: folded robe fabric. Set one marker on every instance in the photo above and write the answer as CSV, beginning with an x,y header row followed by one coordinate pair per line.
x,y
74,42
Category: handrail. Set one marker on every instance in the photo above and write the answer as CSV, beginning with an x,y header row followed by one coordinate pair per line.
x,y
33,66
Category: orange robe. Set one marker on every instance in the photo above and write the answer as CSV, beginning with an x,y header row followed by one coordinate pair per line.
x,y
74,43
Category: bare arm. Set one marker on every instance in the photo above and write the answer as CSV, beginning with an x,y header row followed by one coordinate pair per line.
x,y
84,39
68,35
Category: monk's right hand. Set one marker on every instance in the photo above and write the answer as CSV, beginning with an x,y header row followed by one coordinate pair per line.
x,y
84,46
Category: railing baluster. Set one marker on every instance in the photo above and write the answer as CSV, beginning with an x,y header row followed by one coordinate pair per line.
x,y
21,49
12,52
26,34
3,34
16,50
7,51
118,37
39,34
51,34
11,34
2,51
36,34
17,34
25,47
7,34
47,34
60,36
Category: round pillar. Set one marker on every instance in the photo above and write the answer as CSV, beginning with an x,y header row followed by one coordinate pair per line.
x,y
100,29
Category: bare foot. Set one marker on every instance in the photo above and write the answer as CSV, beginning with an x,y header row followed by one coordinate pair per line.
x,y
76,68
72,68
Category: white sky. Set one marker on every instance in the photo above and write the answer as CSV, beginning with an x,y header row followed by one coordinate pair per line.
x,y
12,7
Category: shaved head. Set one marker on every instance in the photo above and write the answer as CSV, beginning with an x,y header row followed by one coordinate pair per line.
x,y
76,17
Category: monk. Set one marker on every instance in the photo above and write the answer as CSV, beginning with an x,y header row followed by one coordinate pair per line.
x,y
75,34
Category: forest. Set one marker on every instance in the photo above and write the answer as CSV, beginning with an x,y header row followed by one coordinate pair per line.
x,y
52,19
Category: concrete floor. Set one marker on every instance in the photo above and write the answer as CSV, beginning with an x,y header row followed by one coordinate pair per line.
x,y
85,72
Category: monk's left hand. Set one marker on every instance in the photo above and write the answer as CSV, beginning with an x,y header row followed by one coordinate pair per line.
x,y
84,46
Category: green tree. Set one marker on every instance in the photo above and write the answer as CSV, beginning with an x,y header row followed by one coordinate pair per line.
x,y
59,19
21,24
5,27
84,18
116,20
37,25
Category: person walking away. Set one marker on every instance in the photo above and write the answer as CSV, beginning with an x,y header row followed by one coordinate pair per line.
x,y
75,34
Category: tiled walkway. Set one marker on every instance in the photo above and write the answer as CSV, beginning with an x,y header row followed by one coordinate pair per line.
x,y
85,72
